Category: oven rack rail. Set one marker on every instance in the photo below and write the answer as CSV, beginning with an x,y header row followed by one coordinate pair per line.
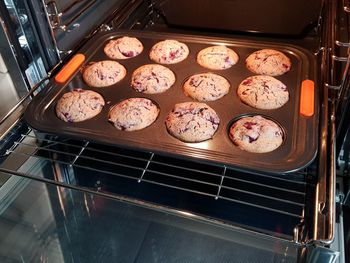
x,y
282,195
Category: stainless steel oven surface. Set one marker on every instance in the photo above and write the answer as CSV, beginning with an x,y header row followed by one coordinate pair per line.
x,y
70,197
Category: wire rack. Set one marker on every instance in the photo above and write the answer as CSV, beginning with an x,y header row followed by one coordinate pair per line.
x,y
186,185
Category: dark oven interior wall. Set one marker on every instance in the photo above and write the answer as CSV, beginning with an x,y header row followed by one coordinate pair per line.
x,y
289,17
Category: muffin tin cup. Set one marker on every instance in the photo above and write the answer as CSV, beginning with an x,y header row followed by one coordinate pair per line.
x,y
300,133
234,120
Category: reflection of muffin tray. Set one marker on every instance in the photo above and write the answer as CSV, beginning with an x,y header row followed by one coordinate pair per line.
x,y
301,133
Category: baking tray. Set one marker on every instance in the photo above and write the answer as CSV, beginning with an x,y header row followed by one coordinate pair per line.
x,y
301,133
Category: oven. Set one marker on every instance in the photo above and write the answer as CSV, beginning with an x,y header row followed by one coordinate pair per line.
x,y
74,197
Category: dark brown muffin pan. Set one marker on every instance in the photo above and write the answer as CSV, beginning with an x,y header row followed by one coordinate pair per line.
x,y
300,132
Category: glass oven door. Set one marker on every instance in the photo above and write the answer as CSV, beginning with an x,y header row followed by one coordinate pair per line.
x,y
43,222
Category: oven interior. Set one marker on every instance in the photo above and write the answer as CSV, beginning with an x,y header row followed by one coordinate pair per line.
x,y
297,207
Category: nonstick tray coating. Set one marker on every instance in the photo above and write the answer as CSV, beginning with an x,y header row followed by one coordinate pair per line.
x,y
300,133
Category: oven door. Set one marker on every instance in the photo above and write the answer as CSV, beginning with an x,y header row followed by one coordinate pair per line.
x,y
40,221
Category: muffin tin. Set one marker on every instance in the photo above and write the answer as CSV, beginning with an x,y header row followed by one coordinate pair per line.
x,y
300,132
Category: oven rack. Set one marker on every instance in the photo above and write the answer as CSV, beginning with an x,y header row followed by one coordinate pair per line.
x,y
123,173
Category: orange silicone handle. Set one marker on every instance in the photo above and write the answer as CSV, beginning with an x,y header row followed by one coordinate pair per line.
x,y
68,70
307,98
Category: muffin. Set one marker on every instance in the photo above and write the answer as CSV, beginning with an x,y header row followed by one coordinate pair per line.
x,y
133,114
256,134
123,48
192,122
217,57
206,87
263,92
103,73
169,52
79,105
268,62
152,79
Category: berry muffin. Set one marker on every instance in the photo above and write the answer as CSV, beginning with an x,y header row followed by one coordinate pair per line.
x,y
206,87
268,62
169,52
123,48
256,134
263,92
192,122
152,79
79,105
103,73
217,57
133,114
